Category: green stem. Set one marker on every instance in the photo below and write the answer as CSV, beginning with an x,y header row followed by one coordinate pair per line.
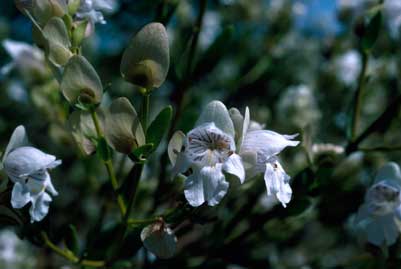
x,y
139,222
382,148
358,96
67,254
382,123
145,110
109,165
135,176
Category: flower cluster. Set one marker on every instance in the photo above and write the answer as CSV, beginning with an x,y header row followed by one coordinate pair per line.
x,y
223,142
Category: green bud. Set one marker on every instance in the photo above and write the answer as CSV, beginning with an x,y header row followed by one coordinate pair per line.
x,y
73,6
44,10
78,33
82,128
123,129
58,42
159,239
146,60
175,146
80,83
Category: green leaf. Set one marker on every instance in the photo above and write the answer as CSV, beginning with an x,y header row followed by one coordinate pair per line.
x,y
71,239
372,31
159,127
81,83
140,154
9,217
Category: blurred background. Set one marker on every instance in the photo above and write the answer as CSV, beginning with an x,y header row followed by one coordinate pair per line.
x,y
295,63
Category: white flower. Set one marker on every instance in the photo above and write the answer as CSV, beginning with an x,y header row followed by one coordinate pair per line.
x,y
27,167
209,150
92,10
379,218
348,66
392,11
27,59
259,150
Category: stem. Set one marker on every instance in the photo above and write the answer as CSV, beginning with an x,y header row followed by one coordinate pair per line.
x,y
109,165
145,110
134,175
380,124
67,254
358,96
382,148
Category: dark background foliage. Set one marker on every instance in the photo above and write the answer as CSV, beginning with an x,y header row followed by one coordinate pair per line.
x,y
245,53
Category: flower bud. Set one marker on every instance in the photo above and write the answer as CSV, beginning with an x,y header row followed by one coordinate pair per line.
x,y
159,239
146,60
175,146
80,83
58,42
123,129
82,128
73,6
44,10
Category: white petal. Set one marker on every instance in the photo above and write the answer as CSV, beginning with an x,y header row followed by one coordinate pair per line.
x,y
20,196
49,185
105,5
378,230
234,166
266,142
18,139
247,120
276,181
206,185
389,173
217,112
214,184
40,206
24,161
181,164
15,48
194,189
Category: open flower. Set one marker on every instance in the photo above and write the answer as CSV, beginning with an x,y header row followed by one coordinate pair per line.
x,y
27,59
209,150
259,150
379,218
92,10
27,167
